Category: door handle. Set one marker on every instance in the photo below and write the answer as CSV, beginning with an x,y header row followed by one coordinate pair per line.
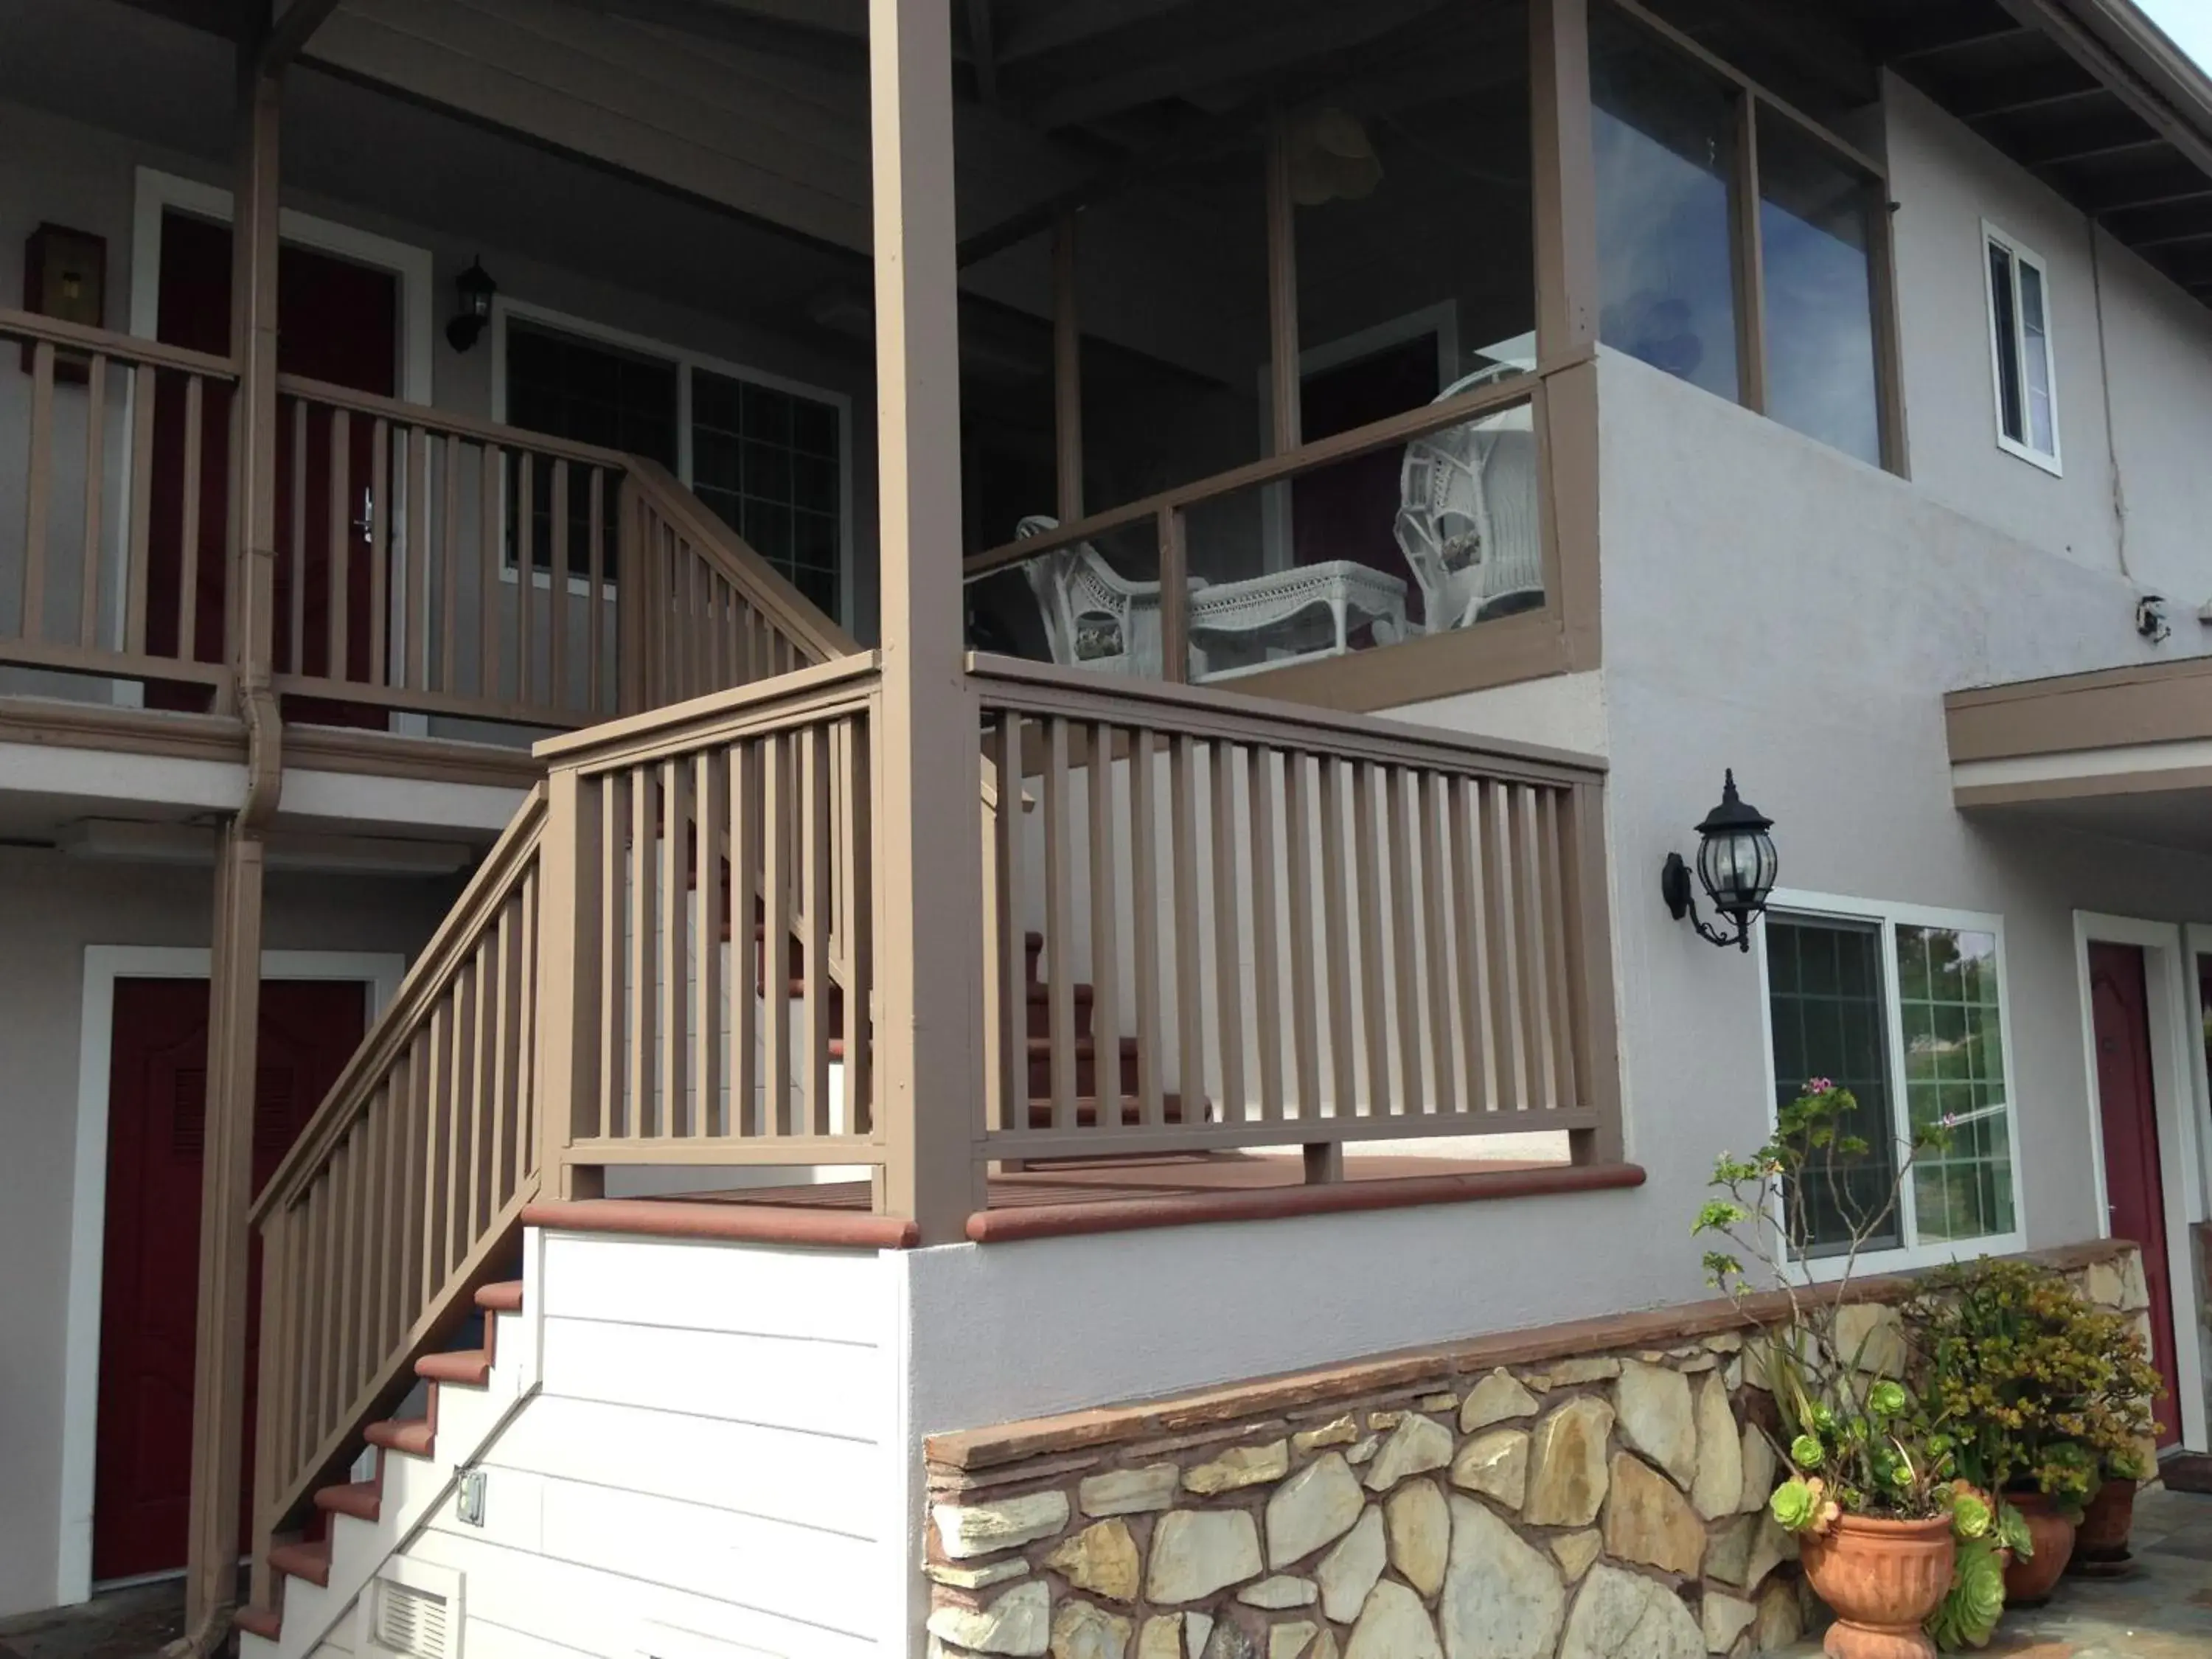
x,y
363,525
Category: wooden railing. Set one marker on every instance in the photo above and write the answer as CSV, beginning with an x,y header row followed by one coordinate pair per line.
x,y
712,612
1317,928
709,933
405,1188
98,584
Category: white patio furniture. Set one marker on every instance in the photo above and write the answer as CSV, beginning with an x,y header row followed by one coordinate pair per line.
x,y
1246,611
1466,516
1094,617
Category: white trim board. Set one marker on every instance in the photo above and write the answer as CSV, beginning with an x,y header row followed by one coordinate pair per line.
x,y
1887,916
2177,1061
685,360
104,964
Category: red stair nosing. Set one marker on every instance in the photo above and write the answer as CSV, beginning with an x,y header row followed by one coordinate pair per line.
x,y
361,1500
505,1296
415,1436
263,1622
472,1366
308,1559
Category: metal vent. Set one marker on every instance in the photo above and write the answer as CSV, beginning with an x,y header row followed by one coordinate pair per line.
x,y
410,1622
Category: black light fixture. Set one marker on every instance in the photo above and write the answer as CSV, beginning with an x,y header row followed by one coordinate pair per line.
x,y
1736,865
473,289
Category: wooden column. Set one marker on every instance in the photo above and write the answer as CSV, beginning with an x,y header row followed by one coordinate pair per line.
x,y
1565,178
929,953
1287,427
219,1370
1066,372
225,1188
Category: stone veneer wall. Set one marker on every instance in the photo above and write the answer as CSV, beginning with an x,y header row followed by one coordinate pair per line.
x,y
1593,1491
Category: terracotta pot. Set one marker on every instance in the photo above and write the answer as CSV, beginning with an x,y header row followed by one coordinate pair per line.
x,y
2101,1541
2028,1583
1880,1578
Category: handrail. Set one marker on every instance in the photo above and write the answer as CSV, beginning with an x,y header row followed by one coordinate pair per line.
x,y
679,724
400,1018
1275,469
764,585
406,1188
1085,695
133,348
446,422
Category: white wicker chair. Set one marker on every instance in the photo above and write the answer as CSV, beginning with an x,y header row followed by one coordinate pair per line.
x,y
1466,515
1094,617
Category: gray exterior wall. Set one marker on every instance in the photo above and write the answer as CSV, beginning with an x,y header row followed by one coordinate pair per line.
x,y
52,907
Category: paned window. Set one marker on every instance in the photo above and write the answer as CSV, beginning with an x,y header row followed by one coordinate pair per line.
x,y
2020,350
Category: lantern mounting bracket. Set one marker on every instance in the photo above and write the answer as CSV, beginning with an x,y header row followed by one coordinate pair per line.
x,y
1674,888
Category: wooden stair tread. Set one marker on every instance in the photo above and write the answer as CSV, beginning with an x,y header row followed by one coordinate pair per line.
x,y
361,1500
307,1558
471,1366
415,1436
503,1296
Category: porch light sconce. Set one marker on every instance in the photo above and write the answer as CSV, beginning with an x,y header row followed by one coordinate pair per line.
x,y
1736,866
473,289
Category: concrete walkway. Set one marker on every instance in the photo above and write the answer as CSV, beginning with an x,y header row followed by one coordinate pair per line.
x,y
2162,1610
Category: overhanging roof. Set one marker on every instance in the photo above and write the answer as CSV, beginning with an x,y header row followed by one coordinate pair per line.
x,y
2124,751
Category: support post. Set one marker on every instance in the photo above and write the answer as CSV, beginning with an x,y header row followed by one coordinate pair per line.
x,y
1067,371
225,1188
1565,178
219,1368
929,953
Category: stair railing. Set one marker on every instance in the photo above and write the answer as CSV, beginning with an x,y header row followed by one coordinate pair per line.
x,y
406,1187
707,951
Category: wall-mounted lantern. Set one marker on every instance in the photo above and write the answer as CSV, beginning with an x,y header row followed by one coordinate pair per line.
x,y
472,291
1736,866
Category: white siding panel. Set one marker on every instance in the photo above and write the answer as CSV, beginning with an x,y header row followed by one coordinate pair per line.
x,y
780,1382
604,1612
812,1479
481,1638
827,1295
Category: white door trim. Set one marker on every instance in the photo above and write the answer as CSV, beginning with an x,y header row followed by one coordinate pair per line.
x,y
154,191
2176,1059
104,964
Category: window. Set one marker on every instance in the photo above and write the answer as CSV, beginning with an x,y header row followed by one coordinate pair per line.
x,y
2020,350
1740,244
767,459
1905,1008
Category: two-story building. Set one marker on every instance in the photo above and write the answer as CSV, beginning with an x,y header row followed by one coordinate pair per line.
x,y
833,827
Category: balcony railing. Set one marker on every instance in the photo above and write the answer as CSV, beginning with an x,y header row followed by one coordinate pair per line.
x,y
427,562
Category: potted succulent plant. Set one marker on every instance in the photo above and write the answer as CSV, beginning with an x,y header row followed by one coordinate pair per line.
x,y
2100,1542
2041,1392
1870,1493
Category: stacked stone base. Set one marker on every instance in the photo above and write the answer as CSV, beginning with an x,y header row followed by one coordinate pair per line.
x,y
1600,1503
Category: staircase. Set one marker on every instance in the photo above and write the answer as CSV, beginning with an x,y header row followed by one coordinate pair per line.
x,y
465,1396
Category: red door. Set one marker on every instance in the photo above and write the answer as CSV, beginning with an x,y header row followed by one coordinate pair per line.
x,y
2135,1193
149,1285
337,321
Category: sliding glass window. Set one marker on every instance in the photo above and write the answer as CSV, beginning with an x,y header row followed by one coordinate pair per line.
x,y
1816,254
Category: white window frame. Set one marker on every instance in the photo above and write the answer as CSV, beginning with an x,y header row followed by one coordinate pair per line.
x,y
1889,917
2021,254
685,363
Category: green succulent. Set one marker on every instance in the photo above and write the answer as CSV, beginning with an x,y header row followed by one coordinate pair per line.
x,y
1795,1506
1886,1399
1970,1515
1806,1452
1968,1613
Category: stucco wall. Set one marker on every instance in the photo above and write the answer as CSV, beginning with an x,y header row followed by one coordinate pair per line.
x,y
52,907
2134,368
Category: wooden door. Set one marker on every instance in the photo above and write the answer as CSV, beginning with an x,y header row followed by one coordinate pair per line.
x,y
150,1282
337,321
2135,1192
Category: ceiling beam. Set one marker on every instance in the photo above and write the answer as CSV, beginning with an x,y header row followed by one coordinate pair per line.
x,y
2045,87
290,30
1247,54
1933,33
2130,87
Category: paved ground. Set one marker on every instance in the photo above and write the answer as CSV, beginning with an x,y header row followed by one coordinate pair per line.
x,y
2163,1610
